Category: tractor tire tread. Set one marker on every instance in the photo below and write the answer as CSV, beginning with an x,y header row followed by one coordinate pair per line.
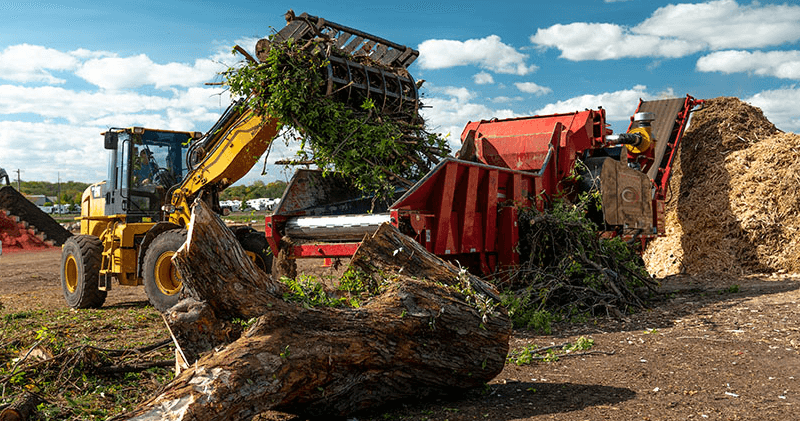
x,y
87,293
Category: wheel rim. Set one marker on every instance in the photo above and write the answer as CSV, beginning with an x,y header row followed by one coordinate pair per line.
x,y
167,278
71,274
255,258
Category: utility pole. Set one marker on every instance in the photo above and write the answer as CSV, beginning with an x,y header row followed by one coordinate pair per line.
x,y
18,188
58,198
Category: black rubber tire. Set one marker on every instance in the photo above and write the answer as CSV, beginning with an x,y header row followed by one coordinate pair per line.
x,y
80,272
167,243
256,242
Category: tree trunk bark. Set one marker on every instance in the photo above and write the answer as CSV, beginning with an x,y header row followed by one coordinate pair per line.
x,y
415,339
22,408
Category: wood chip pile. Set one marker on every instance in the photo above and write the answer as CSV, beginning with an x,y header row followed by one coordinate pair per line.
x,y
734,203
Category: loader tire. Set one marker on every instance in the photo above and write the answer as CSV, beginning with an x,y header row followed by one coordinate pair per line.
x,y
162,283
80,272
257,248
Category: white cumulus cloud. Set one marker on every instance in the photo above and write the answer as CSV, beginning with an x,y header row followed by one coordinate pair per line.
x,y
74,106
460,93
619,105
780,107
677,30
532,88
45,151
192,109
504,99
483,78
47,125
34,63
449,109
488,53
781,64
117,73
603,41
725,24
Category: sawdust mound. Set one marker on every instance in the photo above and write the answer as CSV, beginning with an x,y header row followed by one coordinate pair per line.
x,y
734,199
765,179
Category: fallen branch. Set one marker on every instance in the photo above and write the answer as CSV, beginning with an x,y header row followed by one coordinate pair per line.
x,y
531,353
63,358
132,368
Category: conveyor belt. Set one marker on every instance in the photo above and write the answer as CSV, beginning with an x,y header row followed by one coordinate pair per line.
x,y
666,111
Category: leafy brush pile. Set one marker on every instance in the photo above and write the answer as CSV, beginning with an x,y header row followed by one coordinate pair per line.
x,y
353,289
569,271
378,149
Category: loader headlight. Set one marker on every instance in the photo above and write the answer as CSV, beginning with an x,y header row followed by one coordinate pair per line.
x,y
169,208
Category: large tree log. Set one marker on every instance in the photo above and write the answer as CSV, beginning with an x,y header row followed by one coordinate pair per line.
x,y
22,408
415,339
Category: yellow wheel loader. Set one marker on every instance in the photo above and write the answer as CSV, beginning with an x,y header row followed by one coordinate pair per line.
x,y
134,222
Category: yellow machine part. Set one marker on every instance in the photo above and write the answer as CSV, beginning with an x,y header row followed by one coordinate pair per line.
x,y
93,209
120,251
118,237
243,143
647,140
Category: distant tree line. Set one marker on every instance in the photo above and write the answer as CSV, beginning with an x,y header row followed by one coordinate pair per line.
x,y
71,191
256,190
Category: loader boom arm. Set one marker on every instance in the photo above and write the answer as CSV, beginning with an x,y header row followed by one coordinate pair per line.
x,y
234,145
230,149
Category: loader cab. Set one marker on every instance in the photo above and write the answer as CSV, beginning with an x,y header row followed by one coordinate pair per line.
x,y
143,165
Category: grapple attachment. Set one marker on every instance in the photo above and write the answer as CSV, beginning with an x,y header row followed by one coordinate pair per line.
x,y
360,66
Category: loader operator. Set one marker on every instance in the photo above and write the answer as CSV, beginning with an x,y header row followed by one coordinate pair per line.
x,y
142,168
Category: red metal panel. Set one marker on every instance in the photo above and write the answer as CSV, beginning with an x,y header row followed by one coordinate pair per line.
x,y
479,228
470,237
443,235
523,143
659,211
511,228
516,188
452,235
325,250
490,211
507,220
272,233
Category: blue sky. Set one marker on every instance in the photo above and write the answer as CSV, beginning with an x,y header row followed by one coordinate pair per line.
x,y
69,70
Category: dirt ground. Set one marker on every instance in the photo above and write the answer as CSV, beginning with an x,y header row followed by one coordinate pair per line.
x,y
717,348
